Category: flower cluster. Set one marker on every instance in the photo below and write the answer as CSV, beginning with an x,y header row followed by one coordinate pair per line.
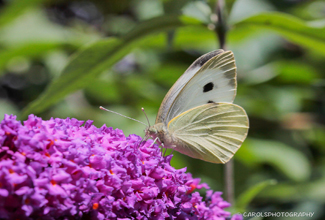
x,y
61,169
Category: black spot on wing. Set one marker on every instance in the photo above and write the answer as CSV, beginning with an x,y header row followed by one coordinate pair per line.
x,y
208,87
211,101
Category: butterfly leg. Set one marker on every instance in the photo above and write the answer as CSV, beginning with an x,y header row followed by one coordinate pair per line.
x,y
163,147
165,152
172,151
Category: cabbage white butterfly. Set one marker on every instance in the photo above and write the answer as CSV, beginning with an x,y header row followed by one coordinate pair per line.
x,y
197,117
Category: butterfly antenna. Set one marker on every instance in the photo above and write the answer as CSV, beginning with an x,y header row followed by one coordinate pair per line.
x,y
101,107
146,116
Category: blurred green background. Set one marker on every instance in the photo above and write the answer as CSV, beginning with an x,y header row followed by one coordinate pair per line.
x,y
66,58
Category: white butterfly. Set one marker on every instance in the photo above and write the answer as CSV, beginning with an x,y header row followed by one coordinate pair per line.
x,y
197,117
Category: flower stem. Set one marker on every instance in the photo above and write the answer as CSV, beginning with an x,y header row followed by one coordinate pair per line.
x,y
221,26
221,31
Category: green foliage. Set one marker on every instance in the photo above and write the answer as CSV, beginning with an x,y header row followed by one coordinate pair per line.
x,y
246,197
33,51
310,35
94,59
66,58
287,160
15,9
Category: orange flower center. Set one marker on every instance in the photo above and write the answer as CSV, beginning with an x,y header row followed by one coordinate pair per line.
x,y
95,206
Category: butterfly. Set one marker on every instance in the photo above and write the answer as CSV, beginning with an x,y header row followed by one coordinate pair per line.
x,y
197,117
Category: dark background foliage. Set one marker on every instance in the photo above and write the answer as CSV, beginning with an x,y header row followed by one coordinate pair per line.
x,y
66,58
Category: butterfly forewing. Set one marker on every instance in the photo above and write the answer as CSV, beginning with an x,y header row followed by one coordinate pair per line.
x,y
211,132
214,82
174,92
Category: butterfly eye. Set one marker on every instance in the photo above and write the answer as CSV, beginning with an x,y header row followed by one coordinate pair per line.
x,y
152,130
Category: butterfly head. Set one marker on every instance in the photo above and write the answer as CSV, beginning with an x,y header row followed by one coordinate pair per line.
x,y
157,131
151,131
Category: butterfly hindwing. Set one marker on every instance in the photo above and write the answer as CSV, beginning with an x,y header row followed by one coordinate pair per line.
x,y
211,132
174,92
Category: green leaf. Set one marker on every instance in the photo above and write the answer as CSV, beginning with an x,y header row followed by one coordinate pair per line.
x,y
199,10
286,192
34,26
246,197
174,7
296,72
229,5
15,9
286,159
306,34
91,61
30,50
295,192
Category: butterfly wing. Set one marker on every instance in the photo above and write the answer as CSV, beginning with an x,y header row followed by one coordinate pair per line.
x,y
177,88
215,82
211,132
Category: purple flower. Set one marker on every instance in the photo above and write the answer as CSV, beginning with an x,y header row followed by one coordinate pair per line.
x,y
61,169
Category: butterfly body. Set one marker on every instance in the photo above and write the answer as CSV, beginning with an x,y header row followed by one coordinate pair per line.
x,y
159,131
197,117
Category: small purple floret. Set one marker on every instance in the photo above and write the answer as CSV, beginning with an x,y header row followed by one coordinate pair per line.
x,y
60,169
